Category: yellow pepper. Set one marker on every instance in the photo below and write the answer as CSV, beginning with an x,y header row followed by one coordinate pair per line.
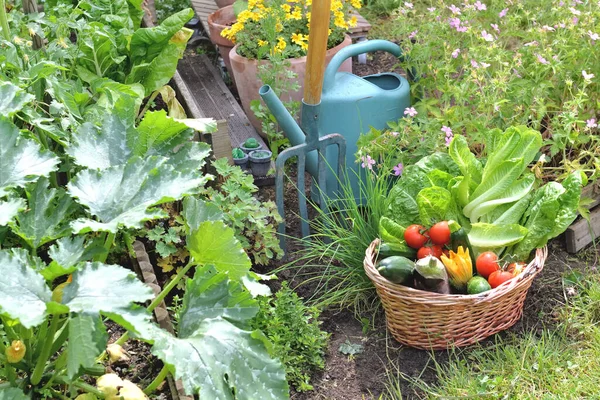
x,y
15,352
459,267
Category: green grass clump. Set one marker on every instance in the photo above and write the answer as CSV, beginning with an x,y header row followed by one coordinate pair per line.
x,y
559,364
294,330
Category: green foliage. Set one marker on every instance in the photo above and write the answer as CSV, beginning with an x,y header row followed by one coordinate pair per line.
x,y
165,239
165,8
295,333
255,222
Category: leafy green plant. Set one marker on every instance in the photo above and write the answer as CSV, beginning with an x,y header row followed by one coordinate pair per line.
x,y
165,8
255,222
294,330
165,240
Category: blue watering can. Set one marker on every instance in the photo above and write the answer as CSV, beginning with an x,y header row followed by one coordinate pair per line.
x,y
349,106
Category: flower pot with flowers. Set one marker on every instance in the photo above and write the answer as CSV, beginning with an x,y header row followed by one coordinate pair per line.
x,y
274,34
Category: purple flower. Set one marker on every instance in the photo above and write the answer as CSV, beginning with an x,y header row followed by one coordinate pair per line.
x,y
503,13
574,11
575,20
455,10
562,3
431,9
367,162
541,59
413,34
480,6
591,123
411,112
461,29
455,53
447,130
394,133
454,22
398,169
495,26
474,64
487,36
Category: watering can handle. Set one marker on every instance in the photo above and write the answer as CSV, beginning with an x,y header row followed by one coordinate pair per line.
x,y
354,50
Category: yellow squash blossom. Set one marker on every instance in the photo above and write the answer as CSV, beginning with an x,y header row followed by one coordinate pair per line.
x,y
15,352
459,267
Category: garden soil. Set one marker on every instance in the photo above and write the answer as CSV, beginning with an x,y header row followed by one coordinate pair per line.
x,y
363,375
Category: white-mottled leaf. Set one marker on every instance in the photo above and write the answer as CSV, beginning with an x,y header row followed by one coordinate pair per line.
x,y
122,195
12,98
87,340
23,291
9,209
21,160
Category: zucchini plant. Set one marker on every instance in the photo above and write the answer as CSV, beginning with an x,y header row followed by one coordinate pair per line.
x,y
82,165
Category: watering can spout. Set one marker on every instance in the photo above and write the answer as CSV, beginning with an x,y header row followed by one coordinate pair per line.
x,y
292,130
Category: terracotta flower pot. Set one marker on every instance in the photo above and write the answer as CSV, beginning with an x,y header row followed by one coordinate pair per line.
x,y
245,73
224,3
217,21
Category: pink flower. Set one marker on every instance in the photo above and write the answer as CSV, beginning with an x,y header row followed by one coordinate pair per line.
x,y
367,162
480,6
454,22
447,130
394,133
562,25
574,11
547,28
474,64
586,76
412,34
534,43
411,112
487,36
461,29
431,9
575,20
495,26
593,36
591,123
503,13
455,53
484,65
398,169
455,10
408,5
542,59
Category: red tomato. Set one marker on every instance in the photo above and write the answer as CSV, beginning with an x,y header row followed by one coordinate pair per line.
x,y
487,263
497,278
414,236
440,233
434,250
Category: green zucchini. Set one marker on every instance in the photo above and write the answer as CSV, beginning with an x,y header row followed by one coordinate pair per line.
x,y
459,237
396,269
396,249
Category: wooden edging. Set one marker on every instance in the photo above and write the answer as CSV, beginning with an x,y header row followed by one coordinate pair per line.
x,y
581,233
145,270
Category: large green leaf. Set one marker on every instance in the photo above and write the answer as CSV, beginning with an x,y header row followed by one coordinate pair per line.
x,y
197,211
13,394
23,291
21,160
158,134
402,199
467,162
122,195
99,52
99,287
214,243
46,219
515,192
136,319
67,253
9,209
12,98
491,236
87,340
510,213
569,202
435,204
219,358
212,294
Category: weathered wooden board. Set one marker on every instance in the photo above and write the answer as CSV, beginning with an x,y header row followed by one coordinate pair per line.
x,y
581,233
203,8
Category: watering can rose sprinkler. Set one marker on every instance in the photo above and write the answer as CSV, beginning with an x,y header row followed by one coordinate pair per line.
x,y
337,107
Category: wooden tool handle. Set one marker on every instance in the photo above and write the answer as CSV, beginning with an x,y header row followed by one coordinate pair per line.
x,y
317,49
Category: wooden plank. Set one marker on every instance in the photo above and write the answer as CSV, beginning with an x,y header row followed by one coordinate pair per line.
x,y
362,26
220,143
580,234
203,8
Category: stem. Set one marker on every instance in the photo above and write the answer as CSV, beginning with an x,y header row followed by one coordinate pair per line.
x,y
80,385
10,332
147,106
4,21
46,350
157,381
110,239
10,374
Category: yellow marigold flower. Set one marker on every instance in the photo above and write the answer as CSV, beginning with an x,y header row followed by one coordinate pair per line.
x,y
286,7
308,15
298,38
297,13
356,4
353,21
15,352
279,27
304,46
281,44
262,43
309,3
336,5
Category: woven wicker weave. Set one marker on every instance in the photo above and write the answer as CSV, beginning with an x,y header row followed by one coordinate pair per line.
x,y
429,320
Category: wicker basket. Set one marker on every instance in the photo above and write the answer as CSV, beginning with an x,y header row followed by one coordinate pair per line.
x,y
436,321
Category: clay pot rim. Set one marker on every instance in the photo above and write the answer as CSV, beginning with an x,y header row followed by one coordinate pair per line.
x,y
233,53
211,17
